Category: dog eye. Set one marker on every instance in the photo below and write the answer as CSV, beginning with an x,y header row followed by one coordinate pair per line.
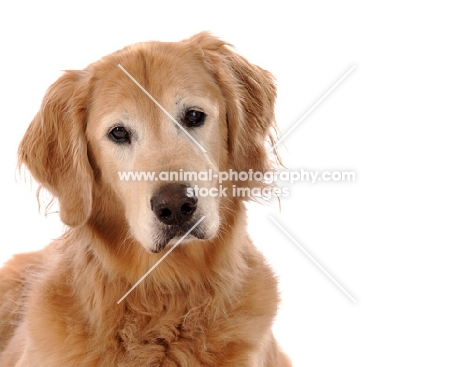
x,y
119,135
194,118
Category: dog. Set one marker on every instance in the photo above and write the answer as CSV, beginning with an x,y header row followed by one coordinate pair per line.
x,y
88,298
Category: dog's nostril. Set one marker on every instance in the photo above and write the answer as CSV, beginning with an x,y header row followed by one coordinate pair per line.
x,y
188,208
164,213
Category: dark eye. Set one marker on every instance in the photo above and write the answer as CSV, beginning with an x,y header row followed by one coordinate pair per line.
x,y
194,118
120,135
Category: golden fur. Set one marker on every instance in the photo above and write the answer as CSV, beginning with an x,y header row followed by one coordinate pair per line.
x,y
212,301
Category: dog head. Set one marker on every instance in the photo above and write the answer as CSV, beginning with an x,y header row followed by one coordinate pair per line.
x,y
192,106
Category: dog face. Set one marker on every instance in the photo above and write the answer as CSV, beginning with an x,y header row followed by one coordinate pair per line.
x,y
128,132
207,109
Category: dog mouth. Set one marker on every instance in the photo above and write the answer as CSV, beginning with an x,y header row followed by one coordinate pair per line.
x,y
173,233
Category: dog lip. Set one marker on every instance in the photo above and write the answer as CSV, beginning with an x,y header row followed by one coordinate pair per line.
x,y
162,245
173,232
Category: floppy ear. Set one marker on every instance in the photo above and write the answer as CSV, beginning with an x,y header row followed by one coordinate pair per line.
x,y
250,94
54,148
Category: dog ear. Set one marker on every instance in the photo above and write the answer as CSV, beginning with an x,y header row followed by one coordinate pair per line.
x,y
250,94
54,148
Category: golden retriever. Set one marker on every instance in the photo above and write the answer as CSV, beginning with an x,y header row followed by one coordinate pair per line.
x,y
212,300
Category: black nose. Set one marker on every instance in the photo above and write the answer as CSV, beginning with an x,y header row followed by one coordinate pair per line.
x,y
173,205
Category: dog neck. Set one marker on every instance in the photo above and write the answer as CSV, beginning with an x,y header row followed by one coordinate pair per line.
x,y
122,260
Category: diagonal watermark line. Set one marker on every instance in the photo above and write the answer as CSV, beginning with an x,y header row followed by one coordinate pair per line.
x,y
315,261
312,108
161,259
162,108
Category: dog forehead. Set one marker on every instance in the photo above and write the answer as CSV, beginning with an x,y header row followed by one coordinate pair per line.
x,y
154,64
145,72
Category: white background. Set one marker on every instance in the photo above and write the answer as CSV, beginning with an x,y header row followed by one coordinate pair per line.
x,y
396,238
